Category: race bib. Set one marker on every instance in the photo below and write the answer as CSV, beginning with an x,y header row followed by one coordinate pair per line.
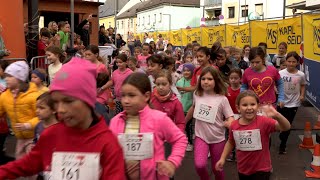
x,y
205,112
248,140
75,166
137,146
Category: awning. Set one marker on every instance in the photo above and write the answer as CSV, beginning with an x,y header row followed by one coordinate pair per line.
x,y
302,6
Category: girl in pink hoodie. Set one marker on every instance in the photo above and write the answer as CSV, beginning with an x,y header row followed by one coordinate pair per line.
x,y
142,132
163,99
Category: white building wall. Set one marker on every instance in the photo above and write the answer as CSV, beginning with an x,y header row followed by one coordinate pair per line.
x,y
181,17
271,9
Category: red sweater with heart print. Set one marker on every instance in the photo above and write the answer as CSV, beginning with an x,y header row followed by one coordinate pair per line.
x,y
60,138
262,83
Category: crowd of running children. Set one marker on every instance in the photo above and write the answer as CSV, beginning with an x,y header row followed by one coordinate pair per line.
x,y
160,98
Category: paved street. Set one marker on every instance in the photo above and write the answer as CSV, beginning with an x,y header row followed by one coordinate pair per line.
x,y
285,167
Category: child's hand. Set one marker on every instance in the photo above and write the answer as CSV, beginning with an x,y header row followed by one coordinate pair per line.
x,y
269,110
166,168
22,126
301,98
281,104
220,164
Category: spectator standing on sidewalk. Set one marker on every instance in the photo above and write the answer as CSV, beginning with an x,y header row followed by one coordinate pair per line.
x,y
83,30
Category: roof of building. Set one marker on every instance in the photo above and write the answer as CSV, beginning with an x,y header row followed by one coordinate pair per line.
x,y
184,3
132,12
108,8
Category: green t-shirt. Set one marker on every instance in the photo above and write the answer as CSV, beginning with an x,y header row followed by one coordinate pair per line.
x,y
186,97
64,37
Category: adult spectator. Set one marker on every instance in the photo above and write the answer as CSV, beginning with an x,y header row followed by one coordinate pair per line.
x,y
137,42
3,50
131,42
147,39
111,35
120,41
83,30
103,39
53,28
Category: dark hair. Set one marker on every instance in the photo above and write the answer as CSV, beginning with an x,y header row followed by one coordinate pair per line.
x,y
294,55
168,62
169,44
263,44
102,79
123,57
61,24
165,74
214,49
189,45
219,88
221,53
45,33
187,53
204,50
282,61
139,81
257,51
245,46
160,35
157,59
138,47
93,48
168,51
195,45
57,51
237,71
4,64
133,59
246,94
146,44
47,98
283,44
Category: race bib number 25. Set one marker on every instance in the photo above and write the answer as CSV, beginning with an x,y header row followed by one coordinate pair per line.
x,y
75,166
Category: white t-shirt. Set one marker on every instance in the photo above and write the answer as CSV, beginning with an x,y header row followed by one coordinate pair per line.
x,y
213,132
148,40
292,84
53,69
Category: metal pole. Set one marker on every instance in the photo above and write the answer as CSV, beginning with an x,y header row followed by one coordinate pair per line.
x,y
239,13
72,23
284,9
33,28
115,20
245,7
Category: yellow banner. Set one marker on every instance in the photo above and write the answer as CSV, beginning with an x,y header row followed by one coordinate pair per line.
x,y
165,34
275,32
311,37
212,34
237,36
176,38
190,35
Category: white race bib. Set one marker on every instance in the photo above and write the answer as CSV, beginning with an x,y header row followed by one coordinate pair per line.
x,y
248,140
75,166
205,112
137,146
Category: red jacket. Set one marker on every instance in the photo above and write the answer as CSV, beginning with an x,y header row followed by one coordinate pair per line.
x,y
96,139
4,129
173,108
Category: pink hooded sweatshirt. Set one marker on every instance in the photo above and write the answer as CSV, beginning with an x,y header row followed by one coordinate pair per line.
x,y
164,130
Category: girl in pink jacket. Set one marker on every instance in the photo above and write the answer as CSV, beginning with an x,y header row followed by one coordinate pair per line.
x,y
142,132
163,99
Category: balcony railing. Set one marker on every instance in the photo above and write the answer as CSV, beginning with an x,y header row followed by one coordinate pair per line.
x,y
212,2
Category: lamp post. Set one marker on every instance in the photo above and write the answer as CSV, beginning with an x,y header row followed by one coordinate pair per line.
x,y
72,22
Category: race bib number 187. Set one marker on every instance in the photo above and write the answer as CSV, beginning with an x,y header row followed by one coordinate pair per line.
x,y
75,166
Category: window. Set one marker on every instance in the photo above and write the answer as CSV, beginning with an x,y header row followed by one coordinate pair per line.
x,y
231,12
131,22
259,9
142,21
217,13
155,18
121,24
244,11
160,18
149,20
139,22
117,24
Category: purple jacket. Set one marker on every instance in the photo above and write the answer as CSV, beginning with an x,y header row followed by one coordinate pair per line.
x,y
164,130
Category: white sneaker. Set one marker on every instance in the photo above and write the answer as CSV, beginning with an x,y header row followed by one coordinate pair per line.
x,y
189,147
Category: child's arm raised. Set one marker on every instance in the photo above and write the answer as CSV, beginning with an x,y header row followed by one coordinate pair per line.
x,y
226,151
282,124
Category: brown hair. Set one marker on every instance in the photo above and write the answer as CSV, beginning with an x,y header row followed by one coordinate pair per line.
x,y
283,44
46,97
165,74
139,81
133,59
257,51
123,57
246,94
57,51
293,54
237,71
219,88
